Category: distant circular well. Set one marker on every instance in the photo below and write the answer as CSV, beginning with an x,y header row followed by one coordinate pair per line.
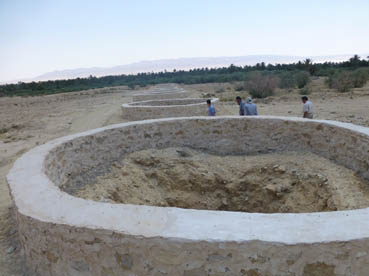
x,y
166,108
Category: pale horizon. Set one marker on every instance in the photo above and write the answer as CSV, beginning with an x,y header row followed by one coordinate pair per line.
x,y
43,36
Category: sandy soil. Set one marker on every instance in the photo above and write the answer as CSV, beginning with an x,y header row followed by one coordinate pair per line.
x,y
26,122
268,183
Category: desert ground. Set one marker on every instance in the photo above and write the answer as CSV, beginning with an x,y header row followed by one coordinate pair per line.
x,y
26,122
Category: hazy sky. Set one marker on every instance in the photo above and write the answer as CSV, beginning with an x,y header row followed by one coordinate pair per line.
x,y
37,36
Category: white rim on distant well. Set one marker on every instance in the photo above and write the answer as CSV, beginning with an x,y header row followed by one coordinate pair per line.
x,y
142,103
162,92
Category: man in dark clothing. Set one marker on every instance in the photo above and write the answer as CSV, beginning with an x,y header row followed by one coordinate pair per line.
x,y
241,103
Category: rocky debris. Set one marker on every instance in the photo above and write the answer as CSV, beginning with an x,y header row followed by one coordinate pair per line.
x,y
11,249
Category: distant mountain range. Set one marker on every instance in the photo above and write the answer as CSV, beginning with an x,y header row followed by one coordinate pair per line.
x,y
179,64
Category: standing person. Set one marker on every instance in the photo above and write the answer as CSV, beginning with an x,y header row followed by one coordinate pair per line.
x,y
211,108
241,103
307,108
250,108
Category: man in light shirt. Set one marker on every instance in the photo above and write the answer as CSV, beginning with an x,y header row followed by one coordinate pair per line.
x,y
307,108
250,108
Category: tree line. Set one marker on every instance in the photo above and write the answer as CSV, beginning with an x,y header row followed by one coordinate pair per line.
x,y
353,73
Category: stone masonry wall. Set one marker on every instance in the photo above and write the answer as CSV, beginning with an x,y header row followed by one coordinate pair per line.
x,y
63,250
164,109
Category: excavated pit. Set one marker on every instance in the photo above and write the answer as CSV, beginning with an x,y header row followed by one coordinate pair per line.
x,y
289,182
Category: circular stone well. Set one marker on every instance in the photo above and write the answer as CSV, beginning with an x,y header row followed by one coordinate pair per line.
x,y
167,108
66,235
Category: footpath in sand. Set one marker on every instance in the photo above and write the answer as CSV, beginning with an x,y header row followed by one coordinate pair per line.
x,y
26,122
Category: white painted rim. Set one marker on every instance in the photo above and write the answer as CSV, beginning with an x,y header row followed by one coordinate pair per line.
x,y
37,197
132,104
181,91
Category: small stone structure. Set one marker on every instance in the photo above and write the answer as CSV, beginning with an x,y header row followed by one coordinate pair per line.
x,y
65,235
160,95
166,108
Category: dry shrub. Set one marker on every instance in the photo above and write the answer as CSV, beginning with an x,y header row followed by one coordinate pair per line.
x,y
239,87
342,81
345,81
305,90
302,79
261,86
288,80
219,90
360,77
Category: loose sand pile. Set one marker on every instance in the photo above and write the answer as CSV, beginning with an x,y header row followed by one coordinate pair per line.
x,y
269,183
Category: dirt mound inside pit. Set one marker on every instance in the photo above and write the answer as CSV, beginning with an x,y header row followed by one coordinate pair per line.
x,y
181,177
